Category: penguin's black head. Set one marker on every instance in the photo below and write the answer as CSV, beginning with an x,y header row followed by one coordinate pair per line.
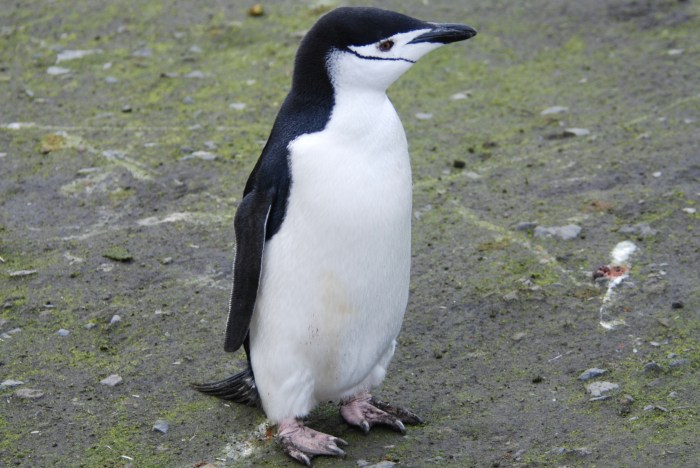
x,y
369,47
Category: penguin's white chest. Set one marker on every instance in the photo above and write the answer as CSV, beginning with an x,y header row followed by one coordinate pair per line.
x,y
336,275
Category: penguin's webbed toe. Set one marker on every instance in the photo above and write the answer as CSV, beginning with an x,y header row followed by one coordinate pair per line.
x,y
364,411
303,443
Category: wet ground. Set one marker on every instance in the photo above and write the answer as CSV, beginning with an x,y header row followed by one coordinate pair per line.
x,y
121,167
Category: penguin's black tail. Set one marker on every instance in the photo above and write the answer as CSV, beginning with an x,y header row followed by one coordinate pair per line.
x,y
239,388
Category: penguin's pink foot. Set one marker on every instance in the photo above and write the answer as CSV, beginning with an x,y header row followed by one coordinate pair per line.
x,y
302,443
364,411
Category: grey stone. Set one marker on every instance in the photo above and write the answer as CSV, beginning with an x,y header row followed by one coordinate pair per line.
x,y
554,110
9,383
577,132
63,332
640,229
29,393
143,52
525,226
57,71
591,374
195,74
597,389
203,155
568,232
652,367
112,380
382,464
21,273
679,362
161,426
581,451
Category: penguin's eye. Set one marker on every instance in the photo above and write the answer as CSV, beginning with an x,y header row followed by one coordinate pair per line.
x,y
385,46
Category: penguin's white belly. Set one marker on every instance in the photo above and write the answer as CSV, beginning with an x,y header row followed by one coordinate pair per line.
x,y
335,277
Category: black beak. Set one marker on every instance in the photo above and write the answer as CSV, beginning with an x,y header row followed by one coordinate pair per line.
x,y
446,33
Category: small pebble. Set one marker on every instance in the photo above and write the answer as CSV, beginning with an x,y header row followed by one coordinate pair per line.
x,y
111,381
639,229
567,232
29,393
554,110
525,226
21,273
144,52
513,296
677,305
111,80
581,451
678,363
576,132
195,74
203,155
54,71
655,407
424,116
237,106
591,374
161,426
9,383
63,332
596,389
673,394
188,100
126,108
652,367
382,464
90,325
518,336
74,54
664,322
115,319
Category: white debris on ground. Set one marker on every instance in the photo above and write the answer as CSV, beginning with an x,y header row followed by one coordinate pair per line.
x,y
620,256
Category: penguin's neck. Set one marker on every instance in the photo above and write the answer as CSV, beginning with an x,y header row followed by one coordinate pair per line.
x,y
361,113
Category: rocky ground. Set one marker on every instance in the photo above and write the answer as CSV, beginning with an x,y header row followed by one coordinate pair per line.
x,y
562,130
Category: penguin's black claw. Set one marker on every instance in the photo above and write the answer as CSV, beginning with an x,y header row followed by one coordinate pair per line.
x,y
302,443
364,411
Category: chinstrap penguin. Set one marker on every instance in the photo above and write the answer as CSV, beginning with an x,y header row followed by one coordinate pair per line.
x,y
323,233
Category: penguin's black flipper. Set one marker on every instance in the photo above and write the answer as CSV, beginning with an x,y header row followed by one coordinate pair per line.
x,y
239,388
250,224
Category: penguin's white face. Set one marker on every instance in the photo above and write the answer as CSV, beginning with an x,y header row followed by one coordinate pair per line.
x,y
378,65
396,47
